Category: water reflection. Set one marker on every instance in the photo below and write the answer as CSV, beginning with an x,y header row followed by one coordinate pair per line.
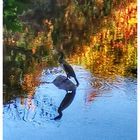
x,y
36,107
21,82
64,83
45,102
93,103
113,50
22,68
33,110
101,63
109,54
101,87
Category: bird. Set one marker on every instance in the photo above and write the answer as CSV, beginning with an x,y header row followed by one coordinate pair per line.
x,y
62,82
67,67
65,103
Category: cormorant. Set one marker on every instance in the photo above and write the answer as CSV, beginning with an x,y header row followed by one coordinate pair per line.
x,y
65,103
67,67
64,83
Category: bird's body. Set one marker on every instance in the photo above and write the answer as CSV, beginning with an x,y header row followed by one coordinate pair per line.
x,y
62,82
67,68
65,103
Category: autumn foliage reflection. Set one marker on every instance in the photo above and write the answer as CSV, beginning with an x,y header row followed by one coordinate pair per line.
x,y
31,80
113,50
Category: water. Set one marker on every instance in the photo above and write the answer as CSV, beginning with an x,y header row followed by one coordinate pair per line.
x,y
103,109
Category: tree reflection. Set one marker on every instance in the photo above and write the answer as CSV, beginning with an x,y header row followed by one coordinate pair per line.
x,y
113,50
100,35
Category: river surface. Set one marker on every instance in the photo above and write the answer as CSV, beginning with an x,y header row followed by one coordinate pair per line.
x,y
102,109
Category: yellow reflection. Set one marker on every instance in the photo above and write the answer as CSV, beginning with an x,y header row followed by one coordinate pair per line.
x,y
113,50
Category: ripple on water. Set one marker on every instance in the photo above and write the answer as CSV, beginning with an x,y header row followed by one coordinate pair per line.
x,y
91,88
39,111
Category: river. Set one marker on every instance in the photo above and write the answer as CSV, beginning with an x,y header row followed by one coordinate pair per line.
x,y
102,109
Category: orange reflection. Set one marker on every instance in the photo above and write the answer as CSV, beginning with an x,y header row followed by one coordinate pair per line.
x,y
30,82
91,97
113,50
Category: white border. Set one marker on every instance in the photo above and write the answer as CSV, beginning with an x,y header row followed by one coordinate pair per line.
x,y
1,69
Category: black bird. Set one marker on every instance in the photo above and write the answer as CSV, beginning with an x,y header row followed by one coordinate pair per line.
x,y
65,103
64,83
67,67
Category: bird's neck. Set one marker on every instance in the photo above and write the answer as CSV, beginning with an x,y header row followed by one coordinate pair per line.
x,y
61,58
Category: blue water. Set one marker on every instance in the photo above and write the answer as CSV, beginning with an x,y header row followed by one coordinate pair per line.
x,y
101,110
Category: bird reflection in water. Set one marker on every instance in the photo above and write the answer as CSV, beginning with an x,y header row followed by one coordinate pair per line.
x,y
62,82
